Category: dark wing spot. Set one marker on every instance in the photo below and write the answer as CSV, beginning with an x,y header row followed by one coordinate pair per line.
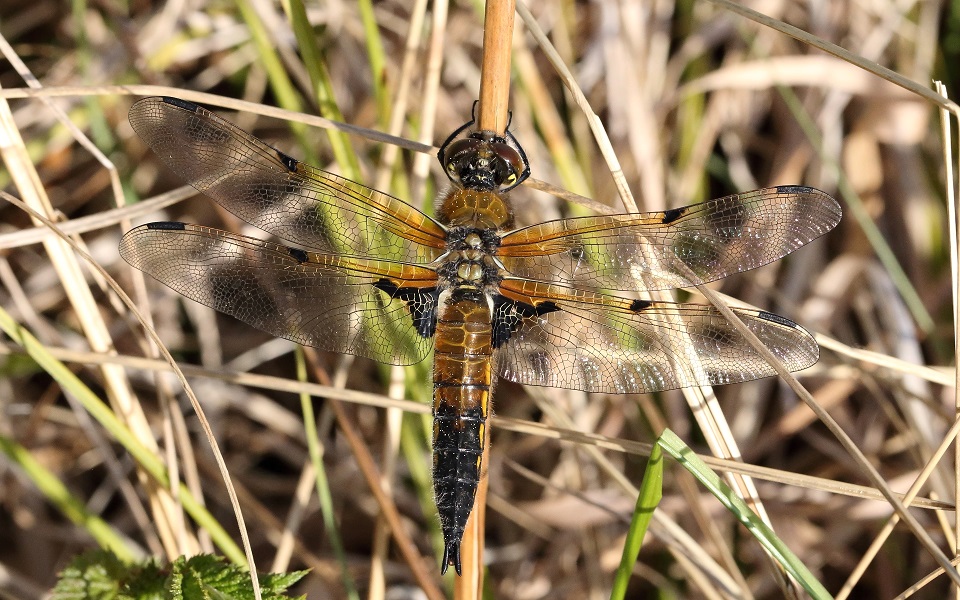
x,y
506,320
546,307
639,305
794,190
777,319
508,316
241,295
388,287
727,217
699,253
167,225
421,302
180,103
288,161
669,216
299,255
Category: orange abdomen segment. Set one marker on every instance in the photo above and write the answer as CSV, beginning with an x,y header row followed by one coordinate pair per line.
x,y
461,397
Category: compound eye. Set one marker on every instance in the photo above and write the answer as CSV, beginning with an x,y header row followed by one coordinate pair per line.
x,y
512,160
455,153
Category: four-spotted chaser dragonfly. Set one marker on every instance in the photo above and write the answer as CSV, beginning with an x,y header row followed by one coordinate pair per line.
x,y
371,276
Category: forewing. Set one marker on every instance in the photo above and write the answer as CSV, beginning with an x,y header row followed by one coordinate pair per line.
x,y
598,343
294,201
376,309
677,248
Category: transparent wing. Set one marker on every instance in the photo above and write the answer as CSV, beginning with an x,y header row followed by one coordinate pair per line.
x,y
671,249
598,343
376,309
294,201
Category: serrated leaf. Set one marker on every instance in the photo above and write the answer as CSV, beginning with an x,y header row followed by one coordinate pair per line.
x,y
277,583
147,585
100,575
213,578
96,575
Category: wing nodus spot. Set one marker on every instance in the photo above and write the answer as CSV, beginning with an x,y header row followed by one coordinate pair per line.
x,y
669,216
288,161
640,305
298,255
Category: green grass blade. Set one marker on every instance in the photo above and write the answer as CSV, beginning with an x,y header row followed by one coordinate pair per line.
x,y
651,492
377,56
675,447
322,86
280,84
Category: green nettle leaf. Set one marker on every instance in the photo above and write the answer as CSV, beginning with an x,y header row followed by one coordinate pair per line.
x,y
147,585
100,575
96,575
212,577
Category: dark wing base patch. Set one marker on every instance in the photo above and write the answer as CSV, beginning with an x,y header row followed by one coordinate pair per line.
x,y
422,303
508,316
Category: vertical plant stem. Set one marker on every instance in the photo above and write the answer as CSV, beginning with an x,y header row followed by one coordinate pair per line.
x,y
493,112
492,115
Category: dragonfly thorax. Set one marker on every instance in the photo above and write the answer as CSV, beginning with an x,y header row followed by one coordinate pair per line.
x,y
472,268
469,259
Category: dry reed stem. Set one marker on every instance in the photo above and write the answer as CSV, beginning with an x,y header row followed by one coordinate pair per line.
x,y
552,432
495,67
492,115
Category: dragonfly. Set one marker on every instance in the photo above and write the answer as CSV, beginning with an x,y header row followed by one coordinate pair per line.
x,y
360,272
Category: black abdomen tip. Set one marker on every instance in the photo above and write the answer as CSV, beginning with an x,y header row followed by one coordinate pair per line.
x,y
451,556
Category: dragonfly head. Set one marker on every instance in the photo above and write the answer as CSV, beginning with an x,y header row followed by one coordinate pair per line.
x,y
484,161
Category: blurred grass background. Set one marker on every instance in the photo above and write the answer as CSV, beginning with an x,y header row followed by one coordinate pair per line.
x,y
697,103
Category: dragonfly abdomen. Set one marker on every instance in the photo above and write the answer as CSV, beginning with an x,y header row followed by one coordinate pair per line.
x,y
461,397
